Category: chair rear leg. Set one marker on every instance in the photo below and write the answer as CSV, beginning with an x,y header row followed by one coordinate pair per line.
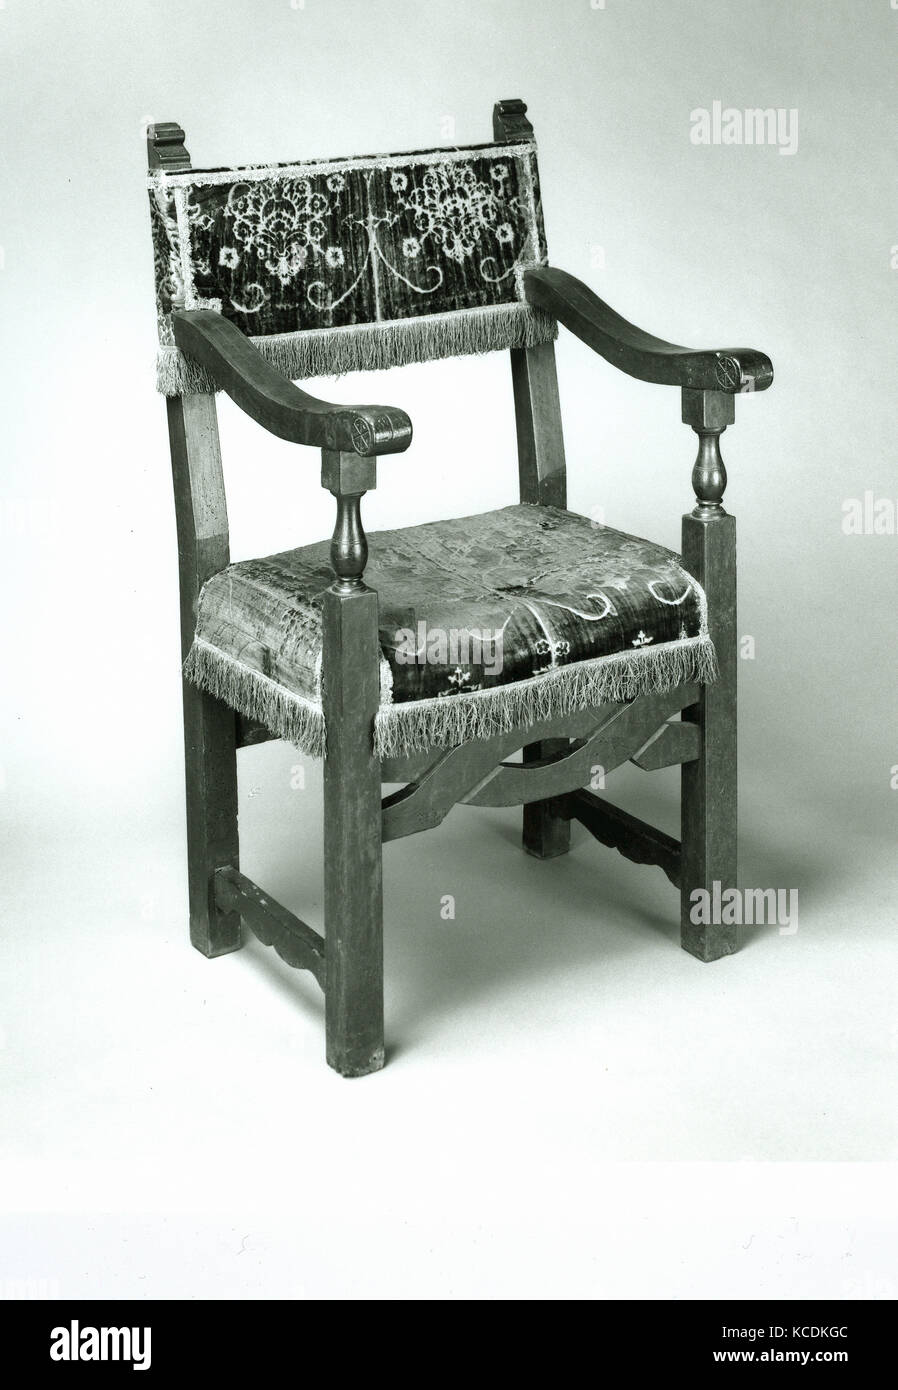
x,y
545,835
209,726
709,784
212,841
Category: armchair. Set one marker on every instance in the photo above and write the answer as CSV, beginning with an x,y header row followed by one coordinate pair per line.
x,y
427,656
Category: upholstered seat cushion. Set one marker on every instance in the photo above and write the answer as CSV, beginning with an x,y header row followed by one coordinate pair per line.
x,y
486,622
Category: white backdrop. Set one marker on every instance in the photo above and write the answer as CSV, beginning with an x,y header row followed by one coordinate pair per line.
x,y
712,246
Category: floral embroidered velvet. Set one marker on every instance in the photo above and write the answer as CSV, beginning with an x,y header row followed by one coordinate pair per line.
x,y
332,244
468,606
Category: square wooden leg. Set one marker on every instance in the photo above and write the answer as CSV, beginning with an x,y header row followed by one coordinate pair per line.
x,y
212,841
709,784
210,752
353,893
545,835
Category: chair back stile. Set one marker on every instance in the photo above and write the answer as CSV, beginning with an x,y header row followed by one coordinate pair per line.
x,y
540,437
201,509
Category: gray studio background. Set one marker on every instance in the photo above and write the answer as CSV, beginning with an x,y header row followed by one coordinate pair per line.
x,y
121,1049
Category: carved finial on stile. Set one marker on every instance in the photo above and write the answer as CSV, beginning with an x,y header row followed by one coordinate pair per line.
x,y
510,120
165,147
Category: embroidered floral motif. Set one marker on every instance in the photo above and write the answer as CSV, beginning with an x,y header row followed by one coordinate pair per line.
x,y
460,681
545,647
281,223
457,209
303,248
542,648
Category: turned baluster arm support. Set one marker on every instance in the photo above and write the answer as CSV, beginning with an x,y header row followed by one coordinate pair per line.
x,y
350,436
709,413
348,477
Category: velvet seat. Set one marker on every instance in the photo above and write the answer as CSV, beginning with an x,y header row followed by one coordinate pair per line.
x,y
525,612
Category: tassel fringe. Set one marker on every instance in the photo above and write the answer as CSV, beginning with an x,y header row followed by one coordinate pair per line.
x,y
374,346
419,725
289,716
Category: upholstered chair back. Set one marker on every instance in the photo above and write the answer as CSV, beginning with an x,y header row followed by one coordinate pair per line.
x,y
350,264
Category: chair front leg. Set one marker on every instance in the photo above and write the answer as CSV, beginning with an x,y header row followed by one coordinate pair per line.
x,y
353,892
709,784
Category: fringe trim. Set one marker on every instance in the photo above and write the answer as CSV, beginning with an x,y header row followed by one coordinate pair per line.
x,y
373,346
287,715
418,725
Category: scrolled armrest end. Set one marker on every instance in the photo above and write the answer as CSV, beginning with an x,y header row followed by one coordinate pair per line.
x,y
640,354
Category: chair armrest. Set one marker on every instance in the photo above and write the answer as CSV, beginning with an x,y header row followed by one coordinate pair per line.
x,y
728,370
272,401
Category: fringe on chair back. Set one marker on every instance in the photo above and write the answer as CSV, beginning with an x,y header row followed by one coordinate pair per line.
x,y
352,264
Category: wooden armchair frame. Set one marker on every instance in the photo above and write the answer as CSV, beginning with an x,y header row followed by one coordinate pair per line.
x,y
348,960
